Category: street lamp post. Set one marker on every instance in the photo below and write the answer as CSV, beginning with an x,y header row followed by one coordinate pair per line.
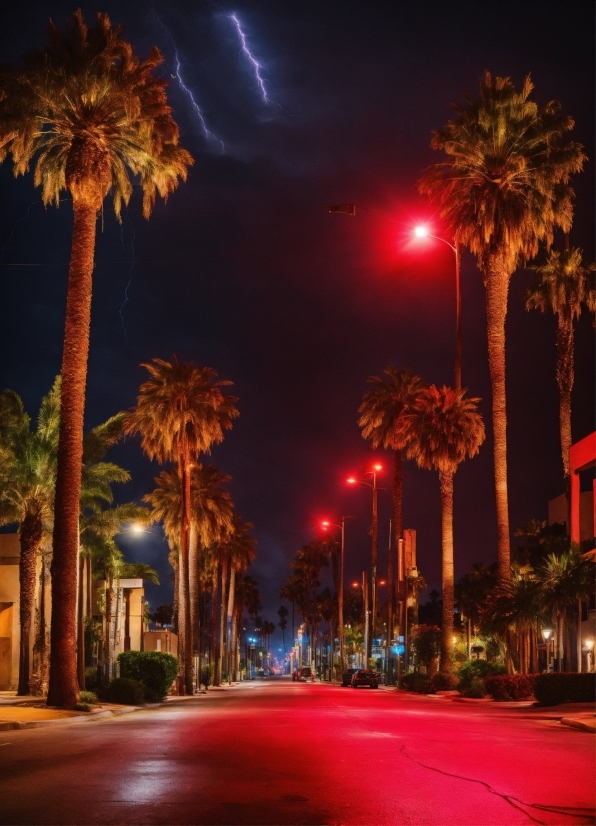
x,y
546,635
340,595
375,545
422,232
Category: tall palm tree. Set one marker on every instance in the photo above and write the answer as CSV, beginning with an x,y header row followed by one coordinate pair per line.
x,y
448,429
565,288
27,479
384,421
180,412
241,550
503,189
90,114
291,591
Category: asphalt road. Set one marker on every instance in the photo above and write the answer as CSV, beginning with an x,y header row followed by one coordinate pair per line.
x,y
277,752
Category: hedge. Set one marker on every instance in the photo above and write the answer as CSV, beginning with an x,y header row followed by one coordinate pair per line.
x,y
156,670
553,688
510,686
473,670
127,692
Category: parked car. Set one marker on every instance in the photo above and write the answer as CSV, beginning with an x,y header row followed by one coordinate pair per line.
x,y
305,674
365,677
346,677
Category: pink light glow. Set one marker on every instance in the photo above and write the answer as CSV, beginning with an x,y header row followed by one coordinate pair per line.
x,y
421,232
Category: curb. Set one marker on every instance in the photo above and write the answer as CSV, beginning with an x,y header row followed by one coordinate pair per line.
x,y
580,725
88,717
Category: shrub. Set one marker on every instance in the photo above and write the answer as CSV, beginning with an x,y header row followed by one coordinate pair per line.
x,y
475,689
510,686
126,691
155,669
91,678
552,689
88,697
444,681
207,672
82,707
473,670
420,683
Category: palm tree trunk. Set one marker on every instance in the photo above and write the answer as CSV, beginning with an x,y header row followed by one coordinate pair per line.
x,y
30,541
213,629
40,644
222,619
447,575
63,689
229,633
565,381
183,573
578,636
497,284
194,585
81,623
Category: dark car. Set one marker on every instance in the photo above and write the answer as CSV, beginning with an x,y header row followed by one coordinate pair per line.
x,y
305,674
346,677
365,677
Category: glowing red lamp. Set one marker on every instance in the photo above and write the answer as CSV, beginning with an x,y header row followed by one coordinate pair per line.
x,y
421,232
351,481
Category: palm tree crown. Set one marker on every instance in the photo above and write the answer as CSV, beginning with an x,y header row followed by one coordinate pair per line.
x,y
565,288
92,113
384,406
505,186
448,429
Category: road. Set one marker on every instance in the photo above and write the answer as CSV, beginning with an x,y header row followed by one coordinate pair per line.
x,y
277,752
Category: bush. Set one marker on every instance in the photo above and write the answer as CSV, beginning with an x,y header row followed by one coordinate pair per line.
x,y
426,643
475,689
155,669
444,681
473,670
510,686
88,697
552,689
82,707
207,672
91,678
420,683
126,692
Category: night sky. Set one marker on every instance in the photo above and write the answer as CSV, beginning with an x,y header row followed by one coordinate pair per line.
x,y
245,271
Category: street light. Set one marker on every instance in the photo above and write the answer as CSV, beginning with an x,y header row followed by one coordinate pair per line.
x,y
423,232
546,635
340,596
375,539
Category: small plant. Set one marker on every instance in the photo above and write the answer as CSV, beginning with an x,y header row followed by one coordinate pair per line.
x,y
89,697
475,689
126,691
413,681
444,681
477,670
207,675
82,707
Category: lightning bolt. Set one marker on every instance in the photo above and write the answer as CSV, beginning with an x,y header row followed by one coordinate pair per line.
x,y
257,66
207,132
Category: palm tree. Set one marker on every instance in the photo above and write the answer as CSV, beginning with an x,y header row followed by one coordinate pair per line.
x,y
565,581
282,613
180,412
91,114
27,479
242,551
502,191
384,421
291,592
516,606
448,429
566,286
